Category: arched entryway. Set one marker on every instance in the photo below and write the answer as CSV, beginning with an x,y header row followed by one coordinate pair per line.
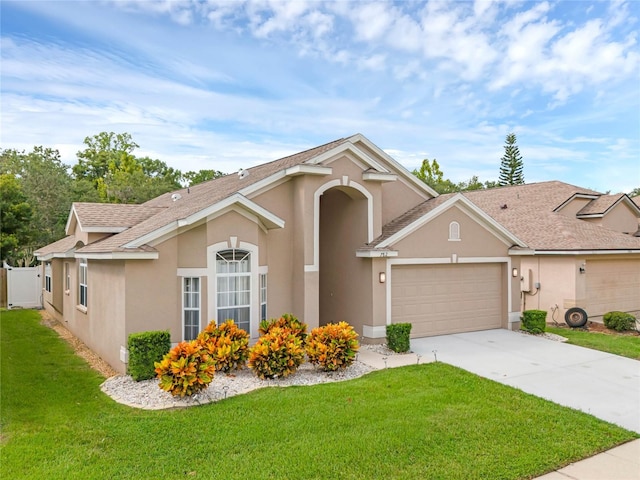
x,y
345,280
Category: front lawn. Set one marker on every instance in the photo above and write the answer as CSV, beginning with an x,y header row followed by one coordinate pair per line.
x,y
422,421
625,345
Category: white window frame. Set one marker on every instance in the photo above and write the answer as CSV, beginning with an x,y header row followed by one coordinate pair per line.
x,y
239,255
67,278
454,232
83,283
47,277
263,296
194,305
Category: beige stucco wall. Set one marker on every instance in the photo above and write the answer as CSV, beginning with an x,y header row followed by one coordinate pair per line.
x,y
574,206
397,198
620,218
345,287
561,286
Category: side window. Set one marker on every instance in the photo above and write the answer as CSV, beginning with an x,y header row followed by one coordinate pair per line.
x,y
82,283
47,276
67,278
191,307
263,296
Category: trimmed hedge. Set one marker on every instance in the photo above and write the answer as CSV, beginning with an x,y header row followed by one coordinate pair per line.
x,y
534,321
146,348
619,321
398,336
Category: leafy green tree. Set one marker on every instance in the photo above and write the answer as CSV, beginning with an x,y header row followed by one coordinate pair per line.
x,y
102,150
511,166
15,214
635,192
193,178
431,174
47,186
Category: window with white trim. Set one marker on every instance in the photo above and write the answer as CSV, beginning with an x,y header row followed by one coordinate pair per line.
x,y
47,276
263,296
190,307
67,277
233,287
83,286
454,231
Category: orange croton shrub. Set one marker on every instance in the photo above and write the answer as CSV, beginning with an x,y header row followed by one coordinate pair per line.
x,y
332,346
186,369
277,353
227,344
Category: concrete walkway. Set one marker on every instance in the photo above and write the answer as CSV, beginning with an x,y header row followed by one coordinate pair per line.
x,y
595,382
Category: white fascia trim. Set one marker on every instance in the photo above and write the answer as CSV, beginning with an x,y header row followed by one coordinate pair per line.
x,y
418,261
72,213
263,184
589,215
269,219
303,169
379,177
49,256
573,197
521,251
423,187
473,209
119,256
587,252
376,253
344,148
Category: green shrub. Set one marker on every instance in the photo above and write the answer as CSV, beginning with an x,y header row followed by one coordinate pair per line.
x,y
332,346
186,369
534,321
227,344
278,353
145,349
287,321
619,321
398,337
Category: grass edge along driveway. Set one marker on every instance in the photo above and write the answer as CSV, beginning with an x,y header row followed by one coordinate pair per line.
x,y
422,421
623,345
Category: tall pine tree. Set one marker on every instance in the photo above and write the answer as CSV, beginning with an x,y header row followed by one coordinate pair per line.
x,y
511,163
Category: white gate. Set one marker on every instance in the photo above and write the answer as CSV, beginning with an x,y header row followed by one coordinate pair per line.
x,y
24,287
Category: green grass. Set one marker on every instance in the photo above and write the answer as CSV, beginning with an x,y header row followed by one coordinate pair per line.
x,y
422,421
625,345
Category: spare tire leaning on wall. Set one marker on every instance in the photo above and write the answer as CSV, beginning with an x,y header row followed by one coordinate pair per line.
x,y
576,317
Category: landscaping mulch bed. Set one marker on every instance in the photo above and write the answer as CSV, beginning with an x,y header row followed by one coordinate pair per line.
x,y
600,328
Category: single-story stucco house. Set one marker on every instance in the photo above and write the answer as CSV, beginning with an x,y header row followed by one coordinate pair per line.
x,y
337,232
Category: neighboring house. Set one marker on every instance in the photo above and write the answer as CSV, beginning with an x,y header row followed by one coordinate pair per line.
x,y
585,245
338,232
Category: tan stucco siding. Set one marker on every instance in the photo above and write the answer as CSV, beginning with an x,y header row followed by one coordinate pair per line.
x,y
560,286
102,327
620,218
397,198
574,206
192,247
431,240
153,292
345,280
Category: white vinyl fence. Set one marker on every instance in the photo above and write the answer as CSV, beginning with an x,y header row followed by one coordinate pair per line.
x,y
24,287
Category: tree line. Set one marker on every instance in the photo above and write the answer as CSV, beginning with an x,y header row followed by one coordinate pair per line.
x,y
37,188
511,172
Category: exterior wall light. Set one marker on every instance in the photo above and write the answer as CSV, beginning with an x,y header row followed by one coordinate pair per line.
x,y
514,272
382,276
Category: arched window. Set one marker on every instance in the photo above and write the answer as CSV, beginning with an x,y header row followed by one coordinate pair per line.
x,y
454,231
233,287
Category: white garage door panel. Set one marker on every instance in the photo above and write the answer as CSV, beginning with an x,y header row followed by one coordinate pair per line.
x,y
440,299
612,285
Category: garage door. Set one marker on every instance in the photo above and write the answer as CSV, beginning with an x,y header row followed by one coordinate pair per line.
x,y
441,299
612,285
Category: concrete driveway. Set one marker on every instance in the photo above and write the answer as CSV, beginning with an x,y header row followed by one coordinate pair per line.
x,y
604,385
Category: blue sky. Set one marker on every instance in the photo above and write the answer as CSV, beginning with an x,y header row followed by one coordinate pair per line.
x,y
227,85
